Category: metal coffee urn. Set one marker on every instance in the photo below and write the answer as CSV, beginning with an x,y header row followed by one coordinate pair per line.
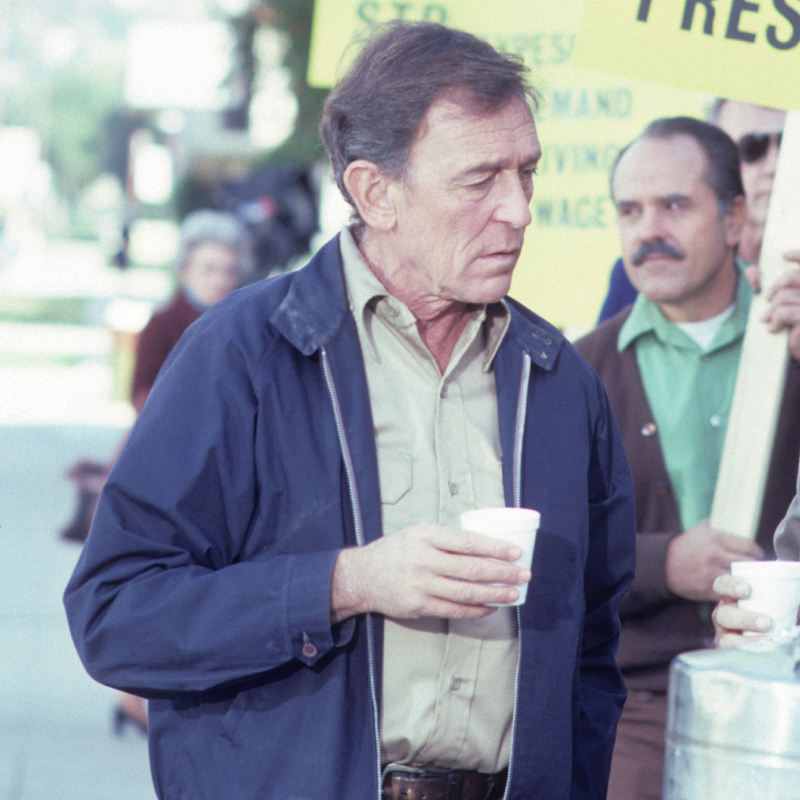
x,y
733,726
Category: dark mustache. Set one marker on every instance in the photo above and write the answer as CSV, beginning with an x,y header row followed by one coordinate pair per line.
x,y
660,247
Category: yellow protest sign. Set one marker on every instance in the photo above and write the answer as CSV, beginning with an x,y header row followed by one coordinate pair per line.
x,y
734,48
584,119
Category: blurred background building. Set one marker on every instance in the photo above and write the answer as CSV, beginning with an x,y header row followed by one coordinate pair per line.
x,y
118,118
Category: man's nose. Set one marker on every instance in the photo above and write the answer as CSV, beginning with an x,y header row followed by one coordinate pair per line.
x,y
651,226
514,205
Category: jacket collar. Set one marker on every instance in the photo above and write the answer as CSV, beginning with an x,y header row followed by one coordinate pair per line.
x,y
316,306
538,338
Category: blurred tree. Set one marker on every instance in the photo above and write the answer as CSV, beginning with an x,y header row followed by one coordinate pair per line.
x,y
75,134
292,17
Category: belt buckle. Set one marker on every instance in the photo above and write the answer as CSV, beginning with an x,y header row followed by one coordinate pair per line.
x,y
400,782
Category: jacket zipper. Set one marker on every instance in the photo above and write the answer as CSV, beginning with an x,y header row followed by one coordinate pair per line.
x,y
359,530
519,430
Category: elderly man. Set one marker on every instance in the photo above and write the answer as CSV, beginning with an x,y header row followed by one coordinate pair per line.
x,y
276,561
669,363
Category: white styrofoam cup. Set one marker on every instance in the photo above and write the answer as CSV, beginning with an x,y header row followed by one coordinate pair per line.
x,y
774,590
515,525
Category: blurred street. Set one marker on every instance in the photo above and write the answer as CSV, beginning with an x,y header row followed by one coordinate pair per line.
x,y
56,405
56,739
117,119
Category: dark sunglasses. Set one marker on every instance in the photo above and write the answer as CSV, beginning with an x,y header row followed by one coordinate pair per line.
x,y
753,146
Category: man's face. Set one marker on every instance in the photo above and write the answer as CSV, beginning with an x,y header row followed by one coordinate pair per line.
x,y
677,249
752,127
462,203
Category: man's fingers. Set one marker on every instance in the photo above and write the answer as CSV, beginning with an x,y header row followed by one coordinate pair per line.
x,y
724,640
788,280
753,275
784,315
480,569
729,588
472,594
473,544
792,255
446,609
732,618
743,549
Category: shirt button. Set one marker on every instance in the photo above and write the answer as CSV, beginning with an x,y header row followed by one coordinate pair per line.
x,y
716,420
443,392
309,650
392,310
455,684
453,488
649,429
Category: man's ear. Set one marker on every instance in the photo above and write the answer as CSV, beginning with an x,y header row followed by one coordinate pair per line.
x,y
735,220
369,186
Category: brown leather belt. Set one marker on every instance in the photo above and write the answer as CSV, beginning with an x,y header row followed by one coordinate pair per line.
x,y
442,785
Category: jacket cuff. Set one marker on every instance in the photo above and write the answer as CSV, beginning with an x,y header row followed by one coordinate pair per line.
x,y
309,611
649,587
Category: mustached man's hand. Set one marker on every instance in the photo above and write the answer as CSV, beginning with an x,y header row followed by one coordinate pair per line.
x,y
730,621
784,300
698,556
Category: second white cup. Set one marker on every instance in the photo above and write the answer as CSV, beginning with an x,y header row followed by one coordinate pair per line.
x,y
774,590
515,525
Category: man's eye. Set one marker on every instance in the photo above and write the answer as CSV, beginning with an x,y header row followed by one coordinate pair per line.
x,y
483,183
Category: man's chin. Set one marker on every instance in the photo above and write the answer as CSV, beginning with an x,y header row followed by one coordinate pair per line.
x,y
494,290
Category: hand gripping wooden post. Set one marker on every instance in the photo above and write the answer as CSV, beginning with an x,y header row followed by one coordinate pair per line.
x,y
762,370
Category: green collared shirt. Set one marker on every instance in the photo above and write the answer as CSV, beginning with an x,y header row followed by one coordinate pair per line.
x,y
690,391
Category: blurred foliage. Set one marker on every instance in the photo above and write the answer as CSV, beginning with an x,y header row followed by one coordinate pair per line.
x,y
293,17
80,103
69,110
58,311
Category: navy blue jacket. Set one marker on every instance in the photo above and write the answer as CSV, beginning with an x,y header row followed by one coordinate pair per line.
x,y
621,292
204,584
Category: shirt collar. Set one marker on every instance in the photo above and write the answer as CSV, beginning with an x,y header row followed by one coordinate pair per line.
x,y
647,318
365,291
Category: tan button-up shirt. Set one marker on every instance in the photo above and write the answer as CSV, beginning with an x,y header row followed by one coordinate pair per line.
x,y
448,685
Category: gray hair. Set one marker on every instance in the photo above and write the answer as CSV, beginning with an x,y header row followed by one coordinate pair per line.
x,y
376,111
220,227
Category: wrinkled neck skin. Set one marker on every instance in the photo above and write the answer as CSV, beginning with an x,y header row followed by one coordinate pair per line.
x,y
440,321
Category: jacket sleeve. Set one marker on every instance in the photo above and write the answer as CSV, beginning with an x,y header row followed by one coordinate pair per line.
x,y
649,589
608,573
159,601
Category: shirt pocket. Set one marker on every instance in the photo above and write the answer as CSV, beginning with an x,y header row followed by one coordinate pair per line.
x,y
396,477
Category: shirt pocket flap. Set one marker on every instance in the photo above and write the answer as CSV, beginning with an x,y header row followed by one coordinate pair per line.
x,y
395,477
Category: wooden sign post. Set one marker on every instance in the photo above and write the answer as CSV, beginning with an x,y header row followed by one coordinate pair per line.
x,y
762,370
745,51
